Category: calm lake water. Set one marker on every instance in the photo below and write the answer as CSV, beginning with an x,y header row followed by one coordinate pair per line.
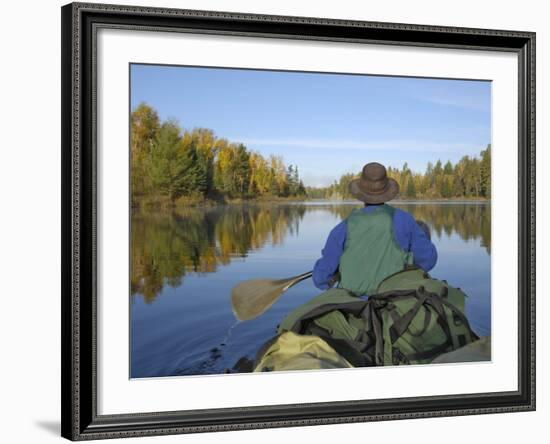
x,y
184,264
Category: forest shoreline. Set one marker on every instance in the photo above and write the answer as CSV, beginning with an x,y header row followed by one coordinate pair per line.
x,y
162,203
172,167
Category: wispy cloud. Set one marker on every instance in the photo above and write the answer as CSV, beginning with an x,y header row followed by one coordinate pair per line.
x,y
465,100
349,144
459,102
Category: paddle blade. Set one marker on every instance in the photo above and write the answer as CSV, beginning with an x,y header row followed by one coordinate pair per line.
x,y
250,299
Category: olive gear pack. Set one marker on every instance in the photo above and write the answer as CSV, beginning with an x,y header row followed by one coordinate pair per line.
x,y
411,319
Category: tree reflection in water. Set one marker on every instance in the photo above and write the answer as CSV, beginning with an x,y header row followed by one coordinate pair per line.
x,y
167,245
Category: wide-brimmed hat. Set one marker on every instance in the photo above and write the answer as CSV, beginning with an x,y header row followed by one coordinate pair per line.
x,y
374,186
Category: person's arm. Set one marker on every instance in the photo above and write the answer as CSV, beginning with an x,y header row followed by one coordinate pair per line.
x,y
327,265
412,238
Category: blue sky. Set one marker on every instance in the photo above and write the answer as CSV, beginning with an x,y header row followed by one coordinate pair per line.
x,y
327,124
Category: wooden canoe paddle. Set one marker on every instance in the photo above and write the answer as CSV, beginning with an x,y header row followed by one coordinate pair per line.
x,y
249,299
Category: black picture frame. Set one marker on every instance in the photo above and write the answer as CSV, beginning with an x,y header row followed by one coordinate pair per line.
x,y
80,420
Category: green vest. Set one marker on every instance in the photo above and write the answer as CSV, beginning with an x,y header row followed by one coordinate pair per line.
x,y
371,252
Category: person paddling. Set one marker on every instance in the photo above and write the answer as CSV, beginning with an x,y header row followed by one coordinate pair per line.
x,y
373,242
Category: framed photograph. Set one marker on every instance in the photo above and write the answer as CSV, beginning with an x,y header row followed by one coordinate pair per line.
x,y
274,221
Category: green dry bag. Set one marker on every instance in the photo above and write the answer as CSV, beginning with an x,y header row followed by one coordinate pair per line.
x,y
412,319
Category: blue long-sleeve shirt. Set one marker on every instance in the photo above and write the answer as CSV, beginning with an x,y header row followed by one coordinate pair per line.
x,y
407,233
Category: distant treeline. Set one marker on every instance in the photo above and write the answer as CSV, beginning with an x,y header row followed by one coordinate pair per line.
x,y
170,165
469,178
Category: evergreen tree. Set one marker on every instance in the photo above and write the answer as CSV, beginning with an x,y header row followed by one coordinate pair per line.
x,y
485,172
202,171
292,185
301,189
205,143
173,171
411,189
430,177
240,171
296,182
446,190
437,168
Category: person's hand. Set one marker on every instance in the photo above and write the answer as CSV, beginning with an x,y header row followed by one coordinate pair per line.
x,y
334,278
